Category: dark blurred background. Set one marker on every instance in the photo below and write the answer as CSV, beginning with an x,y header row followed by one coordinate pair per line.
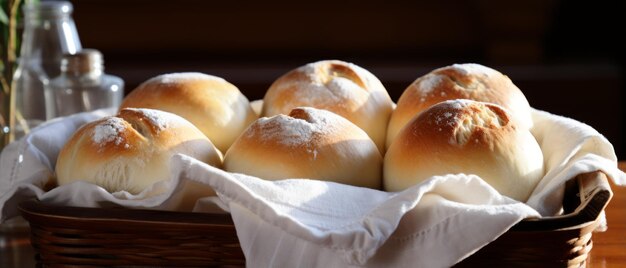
x,y
566,56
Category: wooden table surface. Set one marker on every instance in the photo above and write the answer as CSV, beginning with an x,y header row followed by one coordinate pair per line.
x,y
609,248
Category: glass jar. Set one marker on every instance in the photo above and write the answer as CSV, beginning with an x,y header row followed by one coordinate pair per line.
x,y
49,33
82,86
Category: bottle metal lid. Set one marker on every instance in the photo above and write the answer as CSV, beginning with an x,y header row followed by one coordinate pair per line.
x,y
48,9
83,61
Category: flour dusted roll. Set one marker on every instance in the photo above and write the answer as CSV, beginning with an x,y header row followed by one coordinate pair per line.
x,y
211,103
132,150
340,87
308,143
459,81
464,136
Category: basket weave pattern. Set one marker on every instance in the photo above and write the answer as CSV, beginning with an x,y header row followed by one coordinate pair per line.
x,y
78,236
70,236
154,247
559,248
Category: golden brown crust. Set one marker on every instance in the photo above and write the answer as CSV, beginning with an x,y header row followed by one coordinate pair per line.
x,y
340,87
132,150
211,103
464,136
309,143
464,81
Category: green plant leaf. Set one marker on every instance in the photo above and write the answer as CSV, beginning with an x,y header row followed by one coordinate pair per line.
x,y
3,17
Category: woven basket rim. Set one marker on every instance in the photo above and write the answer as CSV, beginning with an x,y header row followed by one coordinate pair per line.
x,y
587,195
64,235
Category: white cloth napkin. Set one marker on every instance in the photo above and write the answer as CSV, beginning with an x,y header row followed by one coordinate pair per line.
x,y
309,223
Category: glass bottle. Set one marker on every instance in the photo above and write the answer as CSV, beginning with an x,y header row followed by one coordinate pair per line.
x,y
82,86
49,33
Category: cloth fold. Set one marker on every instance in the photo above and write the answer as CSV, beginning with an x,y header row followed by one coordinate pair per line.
x,y
310,223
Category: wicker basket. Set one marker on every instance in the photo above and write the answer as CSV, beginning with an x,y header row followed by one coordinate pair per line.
x,y
71,236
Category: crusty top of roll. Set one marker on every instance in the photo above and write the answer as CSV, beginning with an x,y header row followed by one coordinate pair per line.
x,y
308,143
464,136
340,87
459,81
132,150
209,102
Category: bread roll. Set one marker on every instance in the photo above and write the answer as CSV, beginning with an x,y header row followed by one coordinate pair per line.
x,y
307,143
463,136
257,106
211,103
459,81
132,150
340,87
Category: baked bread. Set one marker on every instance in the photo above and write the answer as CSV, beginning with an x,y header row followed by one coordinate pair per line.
x,y
211,103
340,87
132,150
308,143
464,136
459,81
257,106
